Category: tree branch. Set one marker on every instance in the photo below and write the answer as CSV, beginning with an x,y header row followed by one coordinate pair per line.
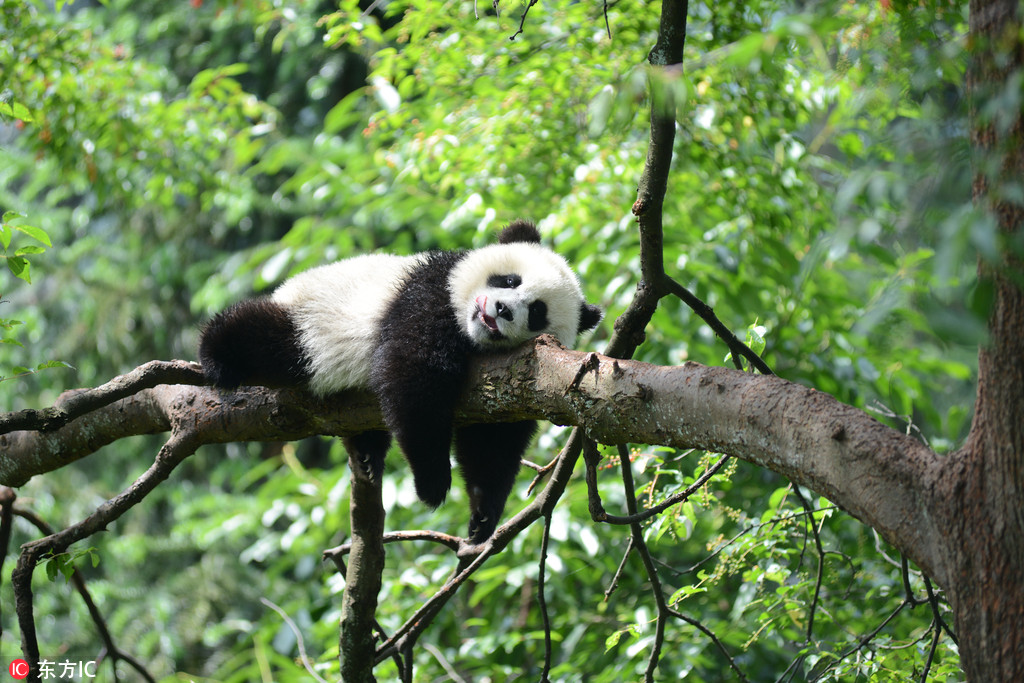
x,y
878,474
363,576
74,404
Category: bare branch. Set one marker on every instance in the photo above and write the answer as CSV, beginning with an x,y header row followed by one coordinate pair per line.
x,y
637,537
707,314
451,542
674,499
307,664
76,403
522,19
542,601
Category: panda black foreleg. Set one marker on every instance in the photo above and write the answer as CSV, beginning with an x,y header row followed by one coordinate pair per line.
x,y
425,437
369,450
417,394
489,455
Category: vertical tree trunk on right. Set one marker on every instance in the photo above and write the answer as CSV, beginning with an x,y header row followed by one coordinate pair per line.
x,y
982,492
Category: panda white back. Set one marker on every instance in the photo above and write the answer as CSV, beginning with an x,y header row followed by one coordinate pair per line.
x,y
337,310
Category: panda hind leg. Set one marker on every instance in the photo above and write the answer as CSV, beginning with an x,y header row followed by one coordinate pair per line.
x,y
489,455
367,450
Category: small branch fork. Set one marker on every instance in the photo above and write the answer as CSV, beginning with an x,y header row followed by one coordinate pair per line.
x,y
74,404
591,458
179,446
110,649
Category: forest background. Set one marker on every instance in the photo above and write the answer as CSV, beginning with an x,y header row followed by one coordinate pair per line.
x,y
167,159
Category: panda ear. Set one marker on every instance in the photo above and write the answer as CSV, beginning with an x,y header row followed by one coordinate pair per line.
x,y
590,316
519,230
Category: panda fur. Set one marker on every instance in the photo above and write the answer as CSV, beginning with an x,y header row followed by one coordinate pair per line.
x,y
405,327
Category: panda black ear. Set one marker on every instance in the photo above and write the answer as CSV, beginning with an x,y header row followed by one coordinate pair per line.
x,y
519,230
590,316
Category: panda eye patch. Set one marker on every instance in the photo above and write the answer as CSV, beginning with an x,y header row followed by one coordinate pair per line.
x,y
537,316
504,281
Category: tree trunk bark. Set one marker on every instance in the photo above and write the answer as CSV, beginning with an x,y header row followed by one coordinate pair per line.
x,y
984,483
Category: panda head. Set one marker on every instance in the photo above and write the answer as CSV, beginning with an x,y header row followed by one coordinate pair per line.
x,y
509,292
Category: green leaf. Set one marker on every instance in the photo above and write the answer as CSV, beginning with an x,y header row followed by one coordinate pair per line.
x,y
755,338
54,364
35,233
19,267
16,110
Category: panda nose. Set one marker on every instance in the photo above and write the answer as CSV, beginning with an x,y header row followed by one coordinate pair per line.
x,y
502,311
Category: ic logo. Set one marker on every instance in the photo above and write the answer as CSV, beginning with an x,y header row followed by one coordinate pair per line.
x,y
19,669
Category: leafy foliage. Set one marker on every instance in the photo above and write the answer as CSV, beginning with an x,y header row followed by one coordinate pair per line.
x,y
180,156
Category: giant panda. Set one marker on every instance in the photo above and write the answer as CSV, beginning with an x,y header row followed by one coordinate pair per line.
x,y
405,327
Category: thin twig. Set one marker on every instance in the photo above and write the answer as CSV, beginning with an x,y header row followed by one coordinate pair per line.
x,y
819,579
415,625
674,499
452,542
303,657
522,20
618,572
744,532
707,314
637,535
542,600
445,664
862,642
714,639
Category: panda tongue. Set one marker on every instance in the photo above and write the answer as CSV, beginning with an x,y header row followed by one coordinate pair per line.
x,y
490,322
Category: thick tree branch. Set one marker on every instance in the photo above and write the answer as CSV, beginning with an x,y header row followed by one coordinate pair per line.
x,y
253,414
876,473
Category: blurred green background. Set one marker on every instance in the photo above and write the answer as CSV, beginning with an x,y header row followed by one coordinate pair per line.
x,y
181,156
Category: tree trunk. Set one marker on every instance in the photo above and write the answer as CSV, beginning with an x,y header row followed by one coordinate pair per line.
x,y
984,482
